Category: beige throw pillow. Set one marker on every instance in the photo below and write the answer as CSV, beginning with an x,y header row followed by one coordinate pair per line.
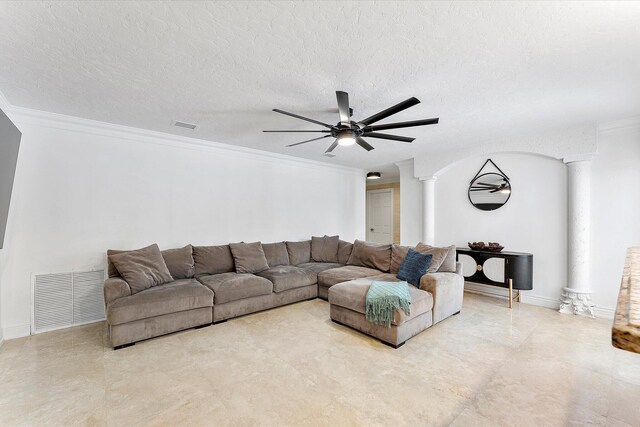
x,y
398,253
249,257
142,268
442,257
372,255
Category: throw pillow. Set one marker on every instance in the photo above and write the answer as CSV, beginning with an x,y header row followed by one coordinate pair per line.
x,y
180,262
372,255
249,257
324,249
142,268
444,259
397,256
213,260
299,252
276,253
414,266
344,251
439,254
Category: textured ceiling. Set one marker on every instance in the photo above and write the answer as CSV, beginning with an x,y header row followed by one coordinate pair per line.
x,y
488,70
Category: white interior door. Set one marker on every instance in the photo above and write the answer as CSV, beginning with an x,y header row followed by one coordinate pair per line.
x,y
380,216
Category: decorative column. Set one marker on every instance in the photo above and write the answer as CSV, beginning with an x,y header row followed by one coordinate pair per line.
x,y
576,297
429,209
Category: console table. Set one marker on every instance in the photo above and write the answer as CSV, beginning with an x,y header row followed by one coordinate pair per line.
x,y
518,270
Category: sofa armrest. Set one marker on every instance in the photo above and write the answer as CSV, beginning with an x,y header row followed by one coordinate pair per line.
x,y
447,290
115,288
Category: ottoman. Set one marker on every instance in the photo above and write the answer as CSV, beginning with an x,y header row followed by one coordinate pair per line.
x,y
347,307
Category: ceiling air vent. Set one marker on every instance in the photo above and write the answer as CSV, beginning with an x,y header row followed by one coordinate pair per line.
x,y
184,125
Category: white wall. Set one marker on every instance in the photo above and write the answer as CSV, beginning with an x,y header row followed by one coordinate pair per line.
x,y
81,189
410,205
533,220
615,211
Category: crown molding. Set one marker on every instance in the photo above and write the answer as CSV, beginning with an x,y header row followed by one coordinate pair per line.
x,y
27,116
629,122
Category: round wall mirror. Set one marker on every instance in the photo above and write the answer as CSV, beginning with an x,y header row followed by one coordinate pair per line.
x,y
489,191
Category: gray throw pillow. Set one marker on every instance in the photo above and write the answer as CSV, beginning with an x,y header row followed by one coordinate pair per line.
x,y
213,260
324,249
276,253
299,252
398,253
344,251
442,259
142,268
180,262
372,255
248,257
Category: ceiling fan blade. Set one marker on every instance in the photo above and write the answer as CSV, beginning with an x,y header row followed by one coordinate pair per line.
x,y
389,111
487,185
497,189
402,125
286,113
364,144
385,136
308,140
343,107
332,146
479,189
323,131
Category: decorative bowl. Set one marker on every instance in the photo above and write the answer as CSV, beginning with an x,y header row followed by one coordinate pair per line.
x,y
481,246
476,246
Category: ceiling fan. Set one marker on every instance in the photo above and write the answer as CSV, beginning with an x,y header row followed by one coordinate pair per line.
x,y
348,132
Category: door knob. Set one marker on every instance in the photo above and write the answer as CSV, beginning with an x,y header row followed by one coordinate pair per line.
x,y
372,229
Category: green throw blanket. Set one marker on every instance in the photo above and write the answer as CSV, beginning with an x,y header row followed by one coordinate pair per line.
x,y
384,298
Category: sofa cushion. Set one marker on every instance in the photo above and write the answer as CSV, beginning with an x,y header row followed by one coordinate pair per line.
x,y
344,251
318,267
287,277
248,257
329,278
180,262
142,268
353,294
276,253
299,252
414,266
212,259
374,255
397,256
324,249
229,287
440,257
179,295
177,261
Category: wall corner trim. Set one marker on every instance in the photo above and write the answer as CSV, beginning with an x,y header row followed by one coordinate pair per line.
x,y
27,116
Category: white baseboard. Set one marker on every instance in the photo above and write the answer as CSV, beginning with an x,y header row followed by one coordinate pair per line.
x,y
554,304
18,331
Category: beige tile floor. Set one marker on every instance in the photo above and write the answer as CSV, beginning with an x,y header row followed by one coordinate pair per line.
x,y
292,366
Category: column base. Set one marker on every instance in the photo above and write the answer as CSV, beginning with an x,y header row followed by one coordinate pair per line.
x,y
576,302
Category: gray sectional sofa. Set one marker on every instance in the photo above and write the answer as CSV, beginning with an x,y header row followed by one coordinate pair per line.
x,y
204,285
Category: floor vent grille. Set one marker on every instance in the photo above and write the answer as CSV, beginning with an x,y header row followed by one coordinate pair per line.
x,y
67,299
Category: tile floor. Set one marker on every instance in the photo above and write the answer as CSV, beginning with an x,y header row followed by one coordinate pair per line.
x,y
488,366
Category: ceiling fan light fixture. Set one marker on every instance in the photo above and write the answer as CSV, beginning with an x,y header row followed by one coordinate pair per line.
x,y
346,138
374,175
